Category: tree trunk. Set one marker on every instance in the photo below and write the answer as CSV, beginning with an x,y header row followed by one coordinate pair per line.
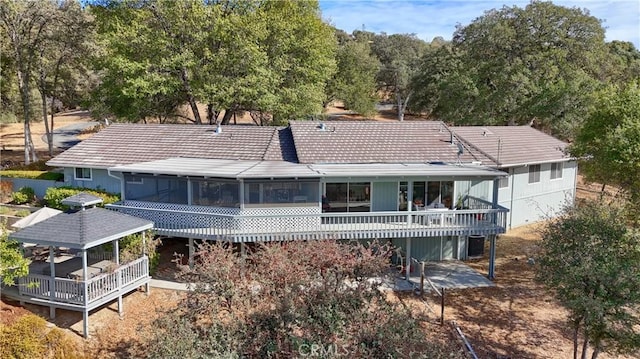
x,y
46,122
43,94
576,332
399,105
585,346
228,114
602,191
192,100
596,352
29,150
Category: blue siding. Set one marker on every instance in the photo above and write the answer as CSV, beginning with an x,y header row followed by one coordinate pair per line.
x,y
532,202
100,179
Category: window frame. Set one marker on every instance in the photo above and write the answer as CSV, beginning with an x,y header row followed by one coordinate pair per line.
x,y
75,174
534,170
556,174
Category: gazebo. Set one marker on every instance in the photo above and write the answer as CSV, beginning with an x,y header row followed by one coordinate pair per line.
x,y
76,276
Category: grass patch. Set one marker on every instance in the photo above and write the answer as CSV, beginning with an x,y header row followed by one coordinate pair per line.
x,y
33,174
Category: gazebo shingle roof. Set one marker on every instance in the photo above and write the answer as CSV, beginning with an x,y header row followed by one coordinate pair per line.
x,y
82,229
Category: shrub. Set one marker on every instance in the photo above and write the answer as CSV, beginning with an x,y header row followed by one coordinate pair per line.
x,y
22,213
24,195
29,337
131,248
288,298
54,196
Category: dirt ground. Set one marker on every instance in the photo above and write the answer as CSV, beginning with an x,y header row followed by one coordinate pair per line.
x,y
517,318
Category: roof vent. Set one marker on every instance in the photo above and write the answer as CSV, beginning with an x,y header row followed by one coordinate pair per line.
x,y
218,129
322,126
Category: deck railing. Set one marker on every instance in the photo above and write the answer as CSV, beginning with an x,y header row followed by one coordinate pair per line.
x,y
245,227
73,291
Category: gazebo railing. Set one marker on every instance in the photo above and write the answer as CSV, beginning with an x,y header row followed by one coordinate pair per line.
x,y
73,291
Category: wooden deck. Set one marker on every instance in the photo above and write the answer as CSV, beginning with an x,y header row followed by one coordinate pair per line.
x,y
81,295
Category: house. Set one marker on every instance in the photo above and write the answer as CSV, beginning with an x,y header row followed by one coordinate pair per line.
x,y
542,178
416,184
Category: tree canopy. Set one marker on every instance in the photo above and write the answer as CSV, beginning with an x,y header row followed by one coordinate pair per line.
x,y
608,143
354,81
516,66
270,58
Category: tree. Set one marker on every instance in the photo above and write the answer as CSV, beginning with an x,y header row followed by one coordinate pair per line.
x,y
591,260
399,55
271,58
148,56
26,24
355,79
519,66
609,142
12,264
61,58
286,300
301,52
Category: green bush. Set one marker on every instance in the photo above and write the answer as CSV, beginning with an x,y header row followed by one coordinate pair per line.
x,y
23,213
24,195
54,196
33,174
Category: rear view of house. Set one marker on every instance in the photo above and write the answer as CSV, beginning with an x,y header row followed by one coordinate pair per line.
x,y
416,184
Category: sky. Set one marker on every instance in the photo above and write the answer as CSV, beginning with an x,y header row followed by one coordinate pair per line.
x,y
428,19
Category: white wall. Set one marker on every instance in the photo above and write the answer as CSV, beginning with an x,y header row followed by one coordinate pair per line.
x,y
532,202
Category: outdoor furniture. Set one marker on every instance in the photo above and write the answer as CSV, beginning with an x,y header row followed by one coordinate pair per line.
x,y
92,270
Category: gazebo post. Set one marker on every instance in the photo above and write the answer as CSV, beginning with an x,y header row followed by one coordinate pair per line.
x,y
147,286
52,282
85,311
116,257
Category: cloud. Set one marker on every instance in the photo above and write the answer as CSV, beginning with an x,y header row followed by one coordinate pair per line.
x,y
428,19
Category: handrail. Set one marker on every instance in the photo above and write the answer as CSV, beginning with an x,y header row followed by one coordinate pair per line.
x,y
73,291
261,226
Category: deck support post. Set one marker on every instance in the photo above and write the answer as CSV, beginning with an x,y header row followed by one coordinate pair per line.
x,y
407,271
191,253
116,258
52,281
492,256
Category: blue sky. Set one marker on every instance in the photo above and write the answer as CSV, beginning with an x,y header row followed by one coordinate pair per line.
x,y
428,19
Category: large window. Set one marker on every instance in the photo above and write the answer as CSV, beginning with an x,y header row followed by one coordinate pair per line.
x,y
281,193
156,189
556,170
433,194
82,174
217,193
534,173
347,197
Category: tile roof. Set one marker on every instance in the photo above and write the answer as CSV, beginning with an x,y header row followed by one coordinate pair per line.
x,y
122,144
378,142
306,142
518,145
82,229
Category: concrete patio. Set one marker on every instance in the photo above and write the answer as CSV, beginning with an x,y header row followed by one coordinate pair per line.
x,y
451,275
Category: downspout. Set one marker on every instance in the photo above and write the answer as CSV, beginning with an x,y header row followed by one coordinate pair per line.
x,y
513,185
121,179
